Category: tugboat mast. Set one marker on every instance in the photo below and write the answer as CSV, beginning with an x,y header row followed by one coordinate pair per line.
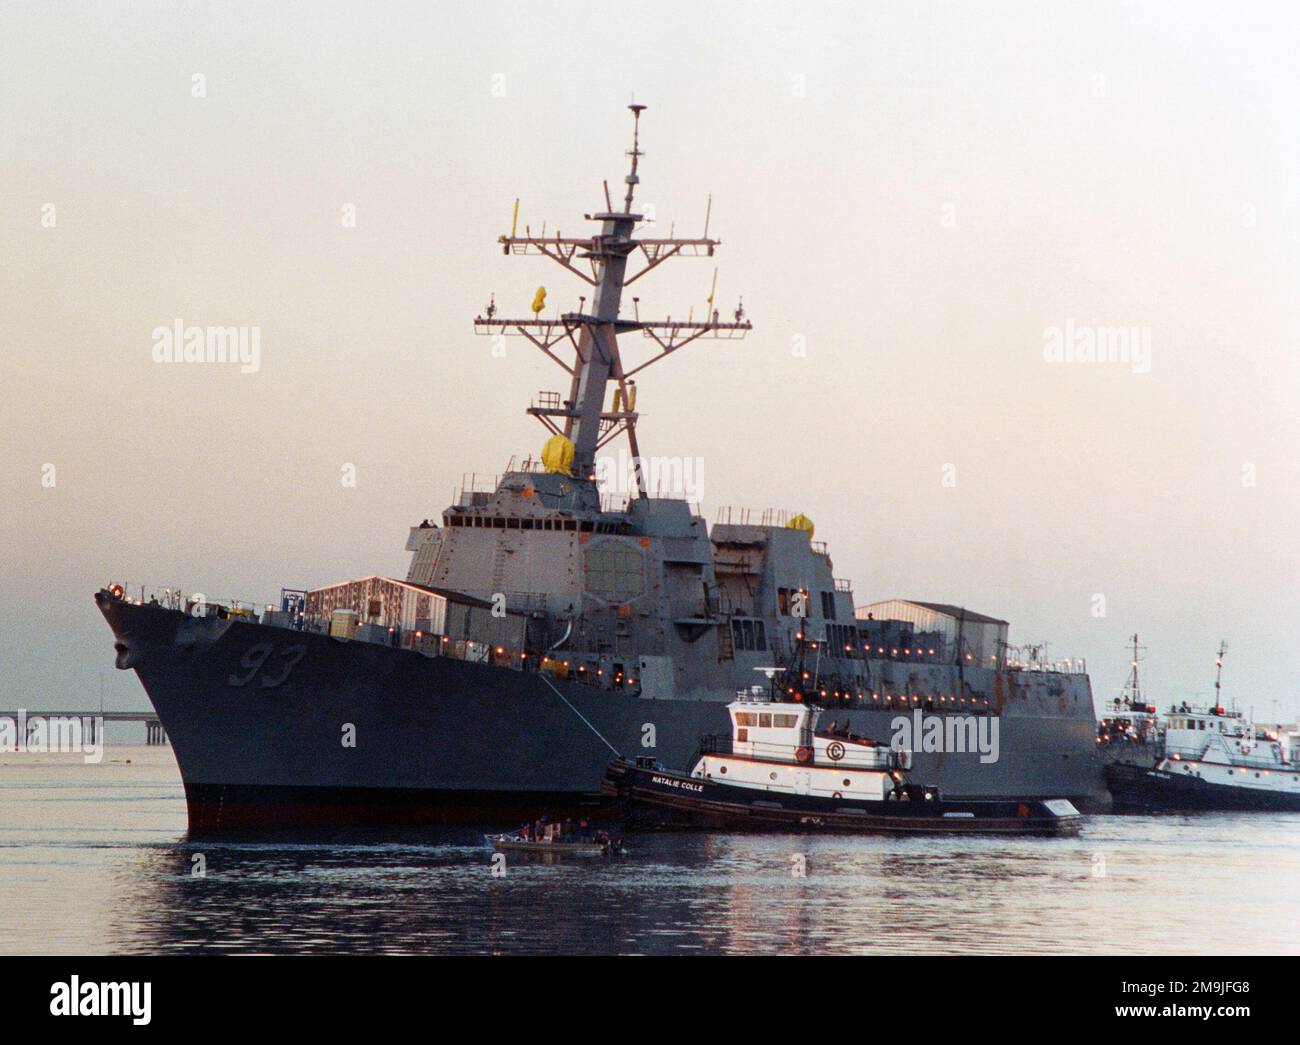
x,y
582,418
1218,677
1133,686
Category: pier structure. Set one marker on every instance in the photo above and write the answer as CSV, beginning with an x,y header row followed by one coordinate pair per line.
x,y
155,735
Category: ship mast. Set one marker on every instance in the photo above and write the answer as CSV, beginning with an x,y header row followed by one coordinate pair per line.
x,y
1218,677
1133,685
593,334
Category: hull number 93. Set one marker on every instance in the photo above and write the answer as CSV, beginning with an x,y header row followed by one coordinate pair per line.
x,y
277,665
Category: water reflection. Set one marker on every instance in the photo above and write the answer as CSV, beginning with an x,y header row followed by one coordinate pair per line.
x,y
96,859
434,892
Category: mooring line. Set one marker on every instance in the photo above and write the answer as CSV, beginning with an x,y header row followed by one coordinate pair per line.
x,y
580,715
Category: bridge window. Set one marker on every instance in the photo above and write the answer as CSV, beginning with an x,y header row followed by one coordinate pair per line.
x,y
792,602
747,634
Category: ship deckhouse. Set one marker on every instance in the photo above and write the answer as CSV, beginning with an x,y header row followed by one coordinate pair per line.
x,y
777,747
1220,747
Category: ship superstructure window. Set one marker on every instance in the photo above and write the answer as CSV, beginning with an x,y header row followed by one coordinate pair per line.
x,y
747,634
842,639
828,605
792,602
615,570
766,720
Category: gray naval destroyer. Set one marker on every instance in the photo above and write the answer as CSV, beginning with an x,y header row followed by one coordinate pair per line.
x,y
542,630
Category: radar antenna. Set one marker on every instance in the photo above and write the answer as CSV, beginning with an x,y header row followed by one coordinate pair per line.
x,y
593,336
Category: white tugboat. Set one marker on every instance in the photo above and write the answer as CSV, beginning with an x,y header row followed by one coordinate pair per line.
x,y
777,772
1212,758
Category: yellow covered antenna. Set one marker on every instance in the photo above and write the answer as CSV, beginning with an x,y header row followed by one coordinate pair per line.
x,y
801,522
708,314
514,222
539,301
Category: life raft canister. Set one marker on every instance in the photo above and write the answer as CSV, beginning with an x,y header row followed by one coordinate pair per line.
x,y
802,754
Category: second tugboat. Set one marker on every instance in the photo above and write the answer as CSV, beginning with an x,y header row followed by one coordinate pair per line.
x,y
1211,759
777,772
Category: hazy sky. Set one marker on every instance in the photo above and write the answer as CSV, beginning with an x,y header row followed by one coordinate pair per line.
x,y
915,193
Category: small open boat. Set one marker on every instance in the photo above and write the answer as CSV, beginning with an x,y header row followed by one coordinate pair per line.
x,y
777,773
555,844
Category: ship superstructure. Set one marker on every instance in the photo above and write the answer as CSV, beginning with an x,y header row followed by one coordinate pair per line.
x,y
541,627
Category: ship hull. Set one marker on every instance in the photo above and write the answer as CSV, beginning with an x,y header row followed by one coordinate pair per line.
x,y
655,800
1139,789
277,728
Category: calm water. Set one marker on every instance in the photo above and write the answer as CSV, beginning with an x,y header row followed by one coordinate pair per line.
x,y
96,859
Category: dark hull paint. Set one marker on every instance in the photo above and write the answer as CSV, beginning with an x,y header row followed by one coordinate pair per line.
x,y
1143,789
257,717
654,799
221,807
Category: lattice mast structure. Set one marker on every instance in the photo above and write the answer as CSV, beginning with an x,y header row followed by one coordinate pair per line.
x,y
593,335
